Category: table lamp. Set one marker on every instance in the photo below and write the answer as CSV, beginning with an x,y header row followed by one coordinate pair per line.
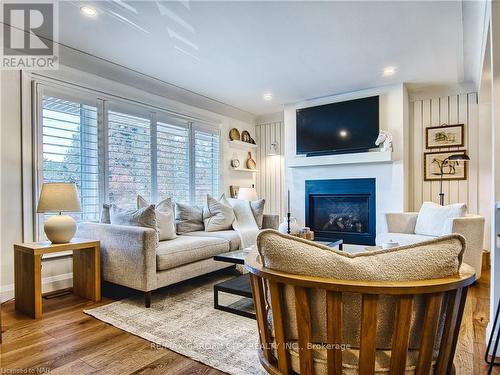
x,y
59,197
247,194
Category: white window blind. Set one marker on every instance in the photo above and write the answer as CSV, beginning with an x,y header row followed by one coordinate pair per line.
x,y
114,150
69,149
129,158
173,177
206,164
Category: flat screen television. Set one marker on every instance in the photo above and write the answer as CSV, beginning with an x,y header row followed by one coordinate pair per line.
x,y
343,127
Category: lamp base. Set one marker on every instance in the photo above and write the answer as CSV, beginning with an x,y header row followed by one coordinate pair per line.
x,y
60,228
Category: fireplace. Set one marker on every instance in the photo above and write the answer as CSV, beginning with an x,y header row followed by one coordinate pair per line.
x,y
342,209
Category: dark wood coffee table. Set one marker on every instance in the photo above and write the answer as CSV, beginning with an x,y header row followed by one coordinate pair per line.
x,y
239,285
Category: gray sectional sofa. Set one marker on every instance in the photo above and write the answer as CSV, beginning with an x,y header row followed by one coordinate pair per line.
x,y
130,255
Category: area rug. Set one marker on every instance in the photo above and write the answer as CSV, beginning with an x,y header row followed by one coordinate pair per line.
x,y
184,320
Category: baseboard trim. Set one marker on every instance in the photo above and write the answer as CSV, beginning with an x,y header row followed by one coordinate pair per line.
x,y
49,284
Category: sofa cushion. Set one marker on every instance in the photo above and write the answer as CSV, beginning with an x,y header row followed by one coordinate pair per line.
x,y
188,249
258,211
402,239
188,218
141,217
164,217
432,217
218,214
229,235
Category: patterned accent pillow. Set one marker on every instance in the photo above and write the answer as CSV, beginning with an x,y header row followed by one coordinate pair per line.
x,y
218,214
188,218
164,217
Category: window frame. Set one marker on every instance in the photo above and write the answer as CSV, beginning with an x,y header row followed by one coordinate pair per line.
x,y
105,102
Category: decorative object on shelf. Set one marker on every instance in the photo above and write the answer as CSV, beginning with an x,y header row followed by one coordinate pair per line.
x,y
251,164
274,149
444,136
59,197
245,136
448,166
248,194
235,163
384,140
233,191
252,141
234,134
438,165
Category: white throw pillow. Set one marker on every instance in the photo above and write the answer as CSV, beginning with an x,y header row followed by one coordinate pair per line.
x,y
165,220
432,217
218,214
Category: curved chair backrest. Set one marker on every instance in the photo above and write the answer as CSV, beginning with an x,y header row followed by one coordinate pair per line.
x,y
443,297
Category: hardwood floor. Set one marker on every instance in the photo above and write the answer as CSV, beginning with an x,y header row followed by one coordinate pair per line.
x,y
67,341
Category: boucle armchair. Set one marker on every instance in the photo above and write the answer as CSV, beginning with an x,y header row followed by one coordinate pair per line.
x,y
401,229
321,311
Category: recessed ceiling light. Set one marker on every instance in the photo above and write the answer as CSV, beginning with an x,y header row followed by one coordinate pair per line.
x,y
343,133
88,11
267,96
389,71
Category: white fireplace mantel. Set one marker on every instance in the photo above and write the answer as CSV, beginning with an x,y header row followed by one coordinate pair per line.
x,y
356,158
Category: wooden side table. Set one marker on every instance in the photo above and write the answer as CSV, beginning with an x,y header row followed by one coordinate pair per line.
x,y
28,272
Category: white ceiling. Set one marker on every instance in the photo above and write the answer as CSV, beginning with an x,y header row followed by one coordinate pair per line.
x,y
235,52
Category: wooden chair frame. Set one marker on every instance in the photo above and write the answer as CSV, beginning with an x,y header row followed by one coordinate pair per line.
x,y
443,295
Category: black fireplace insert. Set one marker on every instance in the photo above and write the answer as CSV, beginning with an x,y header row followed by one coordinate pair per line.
x,y
342,209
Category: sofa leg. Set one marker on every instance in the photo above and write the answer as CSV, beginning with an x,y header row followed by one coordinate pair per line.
x,y
147,299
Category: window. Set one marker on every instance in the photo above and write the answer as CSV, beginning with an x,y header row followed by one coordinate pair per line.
x,y
114,150
173,177
206,164
129,158
69,149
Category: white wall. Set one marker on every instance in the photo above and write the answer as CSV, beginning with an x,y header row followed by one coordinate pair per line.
x,y
17,227
391,186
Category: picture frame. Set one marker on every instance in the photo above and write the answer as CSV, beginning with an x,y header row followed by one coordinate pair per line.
x,y
456,171
444,136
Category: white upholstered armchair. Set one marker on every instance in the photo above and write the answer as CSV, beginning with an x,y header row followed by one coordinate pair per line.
x,y
401,229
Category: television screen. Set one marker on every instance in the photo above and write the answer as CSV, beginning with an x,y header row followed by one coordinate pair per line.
x,y
338,127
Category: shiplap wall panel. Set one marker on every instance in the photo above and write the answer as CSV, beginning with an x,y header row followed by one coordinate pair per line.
x,y
454,119
454,109
473,180
417,149
270,178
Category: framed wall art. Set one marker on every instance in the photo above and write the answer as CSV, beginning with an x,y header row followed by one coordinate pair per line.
x,y
452,170
444,136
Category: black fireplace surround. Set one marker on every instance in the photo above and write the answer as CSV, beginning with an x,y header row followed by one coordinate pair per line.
x,y
342,209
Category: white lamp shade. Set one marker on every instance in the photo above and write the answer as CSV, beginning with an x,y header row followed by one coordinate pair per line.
x,y
59,197
248,194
